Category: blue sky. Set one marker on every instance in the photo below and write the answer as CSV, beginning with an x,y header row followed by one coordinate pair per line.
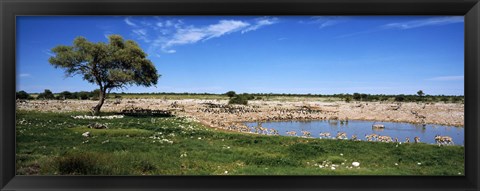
x,y
260,54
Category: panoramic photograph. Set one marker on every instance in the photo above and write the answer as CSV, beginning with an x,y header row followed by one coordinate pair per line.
x,y
240,95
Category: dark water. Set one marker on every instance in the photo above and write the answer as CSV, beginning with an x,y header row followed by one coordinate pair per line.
x,y
362,128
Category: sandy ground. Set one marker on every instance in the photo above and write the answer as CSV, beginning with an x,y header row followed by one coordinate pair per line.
x,y
220,115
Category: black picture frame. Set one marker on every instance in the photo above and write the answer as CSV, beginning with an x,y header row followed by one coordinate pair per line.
x,y
10,8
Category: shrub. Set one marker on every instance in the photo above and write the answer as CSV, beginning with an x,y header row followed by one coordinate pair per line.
x,y
95,94
78,164
230,94
456,99
146,166
22,95
47,94
66,95
239,99
348,99
399,98
357,97
82,95
444,99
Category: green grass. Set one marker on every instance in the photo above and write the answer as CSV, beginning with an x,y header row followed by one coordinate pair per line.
x,y
52,144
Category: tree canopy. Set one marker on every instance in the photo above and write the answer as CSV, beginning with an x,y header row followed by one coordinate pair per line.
x,y
114,65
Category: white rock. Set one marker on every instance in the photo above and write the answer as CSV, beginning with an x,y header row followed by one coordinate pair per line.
x,y
86,134
355,164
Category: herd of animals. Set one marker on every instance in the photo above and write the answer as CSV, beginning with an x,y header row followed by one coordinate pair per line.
x,y
440,140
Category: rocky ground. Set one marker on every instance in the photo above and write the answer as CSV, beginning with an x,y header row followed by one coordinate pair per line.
x,y
217,114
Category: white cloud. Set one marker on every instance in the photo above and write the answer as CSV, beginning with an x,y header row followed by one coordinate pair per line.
x,y
24,75
447,78
141,34
434,21
260,23
107,33
170,51
192,35
326,21
129,22
48,52
164,34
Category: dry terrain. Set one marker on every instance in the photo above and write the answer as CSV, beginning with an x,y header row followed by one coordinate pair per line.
x,y
218,114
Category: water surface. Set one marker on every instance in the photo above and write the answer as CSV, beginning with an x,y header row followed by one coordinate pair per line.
x,y
361,128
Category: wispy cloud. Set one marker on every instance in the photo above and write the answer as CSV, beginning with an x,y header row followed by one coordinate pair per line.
x,y
106,34
141,34
447,78
192,35
434,21
24,75
129,22
165,34
325,21
358,33
260,22
48,52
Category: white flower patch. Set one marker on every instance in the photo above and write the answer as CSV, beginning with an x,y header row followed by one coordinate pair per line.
x,y
86,134
166,141
183,155
98,117
225,147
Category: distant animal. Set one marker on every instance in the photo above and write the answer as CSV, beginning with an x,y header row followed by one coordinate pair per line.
x,y
273,131
371,137
341,135
443,140
325,134
306,133
354,138
292,133
417,139
407,140
378,126
385,139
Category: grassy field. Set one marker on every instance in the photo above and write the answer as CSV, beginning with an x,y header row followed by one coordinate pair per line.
x,y
52,144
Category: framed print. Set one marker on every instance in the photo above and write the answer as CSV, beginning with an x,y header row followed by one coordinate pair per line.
x,y
240,95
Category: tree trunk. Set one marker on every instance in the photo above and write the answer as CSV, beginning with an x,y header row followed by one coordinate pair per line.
x,y
96,109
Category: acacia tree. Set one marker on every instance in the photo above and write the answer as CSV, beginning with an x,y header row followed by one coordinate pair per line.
x,y
420,93
114,65
230,94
